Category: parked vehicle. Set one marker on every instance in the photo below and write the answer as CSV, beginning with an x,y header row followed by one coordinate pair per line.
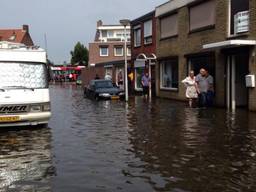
x,y
103,89
24,91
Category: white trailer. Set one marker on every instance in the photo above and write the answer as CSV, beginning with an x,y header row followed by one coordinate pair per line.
x,y
24,88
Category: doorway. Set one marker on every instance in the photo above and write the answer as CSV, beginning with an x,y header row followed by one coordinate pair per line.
x,y
236,70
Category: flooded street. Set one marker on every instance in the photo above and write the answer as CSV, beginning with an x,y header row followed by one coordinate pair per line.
x,y
141,147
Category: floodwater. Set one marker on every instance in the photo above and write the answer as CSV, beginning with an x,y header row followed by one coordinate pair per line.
x,y
145,146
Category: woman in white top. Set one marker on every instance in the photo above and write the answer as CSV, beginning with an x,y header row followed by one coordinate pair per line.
x,y
191,89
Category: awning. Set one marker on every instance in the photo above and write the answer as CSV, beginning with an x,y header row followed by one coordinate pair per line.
x,y
229,44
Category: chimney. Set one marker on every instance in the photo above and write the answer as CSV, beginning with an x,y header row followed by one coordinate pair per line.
x,y
99,23
25,28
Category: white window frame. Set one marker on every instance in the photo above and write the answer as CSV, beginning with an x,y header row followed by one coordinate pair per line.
x,y
127,51
115,52
102,55
161,79
111,32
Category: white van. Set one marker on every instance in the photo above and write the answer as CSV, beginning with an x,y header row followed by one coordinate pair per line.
x,y
24,91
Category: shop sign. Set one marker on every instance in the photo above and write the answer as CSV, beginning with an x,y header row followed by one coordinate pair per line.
x,y
241,21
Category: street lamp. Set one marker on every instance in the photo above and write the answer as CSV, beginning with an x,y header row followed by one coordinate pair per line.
x,y
125,23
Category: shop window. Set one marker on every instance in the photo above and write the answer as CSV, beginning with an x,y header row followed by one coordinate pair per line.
x,y
202,16
138,75
148,32
120,77
108,72
103,51
169,26
137,36
169,74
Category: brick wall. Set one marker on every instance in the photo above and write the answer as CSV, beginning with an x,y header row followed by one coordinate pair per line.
x,y
89,74
146,49
94,52
190,43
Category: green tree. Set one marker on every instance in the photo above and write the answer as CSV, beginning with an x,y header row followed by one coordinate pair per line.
x,y
79,55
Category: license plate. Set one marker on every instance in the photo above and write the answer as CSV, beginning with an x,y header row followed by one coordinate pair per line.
x,y
9,119
115,97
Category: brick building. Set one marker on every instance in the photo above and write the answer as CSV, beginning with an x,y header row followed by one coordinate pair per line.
x,y
215,34
106,53
17,35
143,48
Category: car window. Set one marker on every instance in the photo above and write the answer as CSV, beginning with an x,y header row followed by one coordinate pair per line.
x,y
103,84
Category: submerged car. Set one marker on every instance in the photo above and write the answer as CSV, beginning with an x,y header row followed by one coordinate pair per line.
x,y
103,89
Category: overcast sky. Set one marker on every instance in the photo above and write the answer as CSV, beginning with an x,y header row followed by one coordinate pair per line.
x,y
66,22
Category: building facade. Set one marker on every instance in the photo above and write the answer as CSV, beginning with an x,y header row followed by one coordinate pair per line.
x,y
107,53
213,34
143,47
17,35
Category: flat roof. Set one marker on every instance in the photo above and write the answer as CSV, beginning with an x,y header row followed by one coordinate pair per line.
x,y
229,44
171,5
112,27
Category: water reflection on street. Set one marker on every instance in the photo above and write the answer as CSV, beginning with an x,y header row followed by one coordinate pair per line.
x,y
25,159
141,146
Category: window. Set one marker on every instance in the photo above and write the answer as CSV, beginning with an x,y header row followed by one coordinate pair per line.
x,y
202,15
104,33
169,74
169,26
138,76
103,51
128,51
30,75
148,32
119,51
110,34
120,77
137,36
239,16
108,73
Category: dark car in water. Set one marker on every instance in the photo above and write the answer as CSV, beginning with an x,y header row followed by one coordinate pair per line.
x,y
103,89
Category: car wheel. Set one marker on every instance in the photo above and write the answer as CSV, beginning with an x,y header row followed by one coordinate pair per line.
x,y
85,93
96,97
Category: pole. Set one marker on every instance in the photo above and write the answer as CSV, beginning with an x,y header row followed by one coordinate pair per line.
x,y
125,66
233,83
150,77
